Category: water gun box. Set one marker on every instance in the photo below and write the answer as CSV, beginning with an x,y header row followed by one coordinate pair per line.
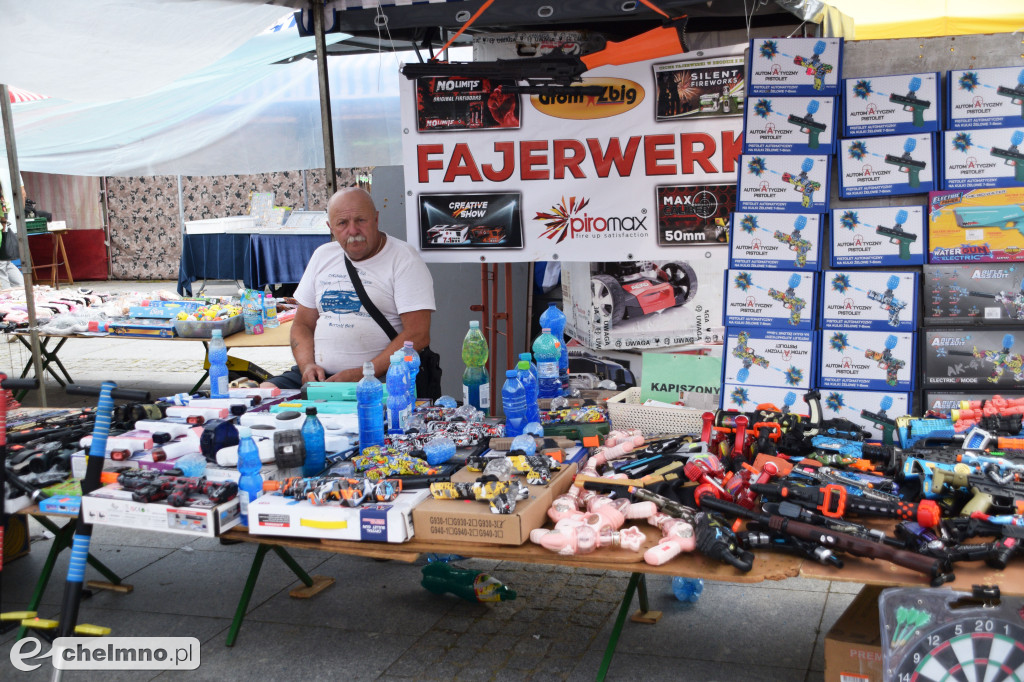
x,y
873,411
984,358
868,360
892,105
973,294
884,166
790,125
775,241
869,299
883,236
942,403
783,183
976,226
982,158
795,66
985,98
741,398
770,298
769,357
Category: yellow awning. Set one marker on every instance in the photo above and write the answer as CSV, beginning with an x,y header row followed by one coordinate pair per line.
x,y
879,19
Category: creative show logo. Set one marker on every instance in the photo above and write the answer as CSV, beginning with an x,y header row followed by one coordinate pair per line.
x,y
568,219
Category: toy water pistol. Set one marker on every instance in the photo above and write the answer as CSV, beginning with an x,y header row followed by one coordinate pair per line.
x,y
808,124
815,67
500,495
789,299
1016,94
987,491
473,586
536,468
804,185
897,235
796,241
911,102
1004,217
351,492
148,485
1012,155
888,301
886,361
907,164
882,420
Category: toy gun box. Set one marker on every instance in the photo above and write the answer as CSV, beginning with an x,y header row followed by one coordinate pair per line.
x,y
458,521
984,158
979,358
973,294
891,236
886,166
769,357
775,241
891,105
790,125
274,514
783,183
976,226
866,299
867,360
770,298
113,506
985,98
865,408
794,66
944,402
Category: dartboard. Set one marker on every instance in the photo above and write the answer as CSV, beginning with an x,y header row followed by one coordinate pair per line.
x,y
974,649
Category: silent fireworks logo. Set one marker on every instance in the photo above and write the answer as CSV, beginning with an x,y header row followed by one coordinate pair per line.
x,y
568,219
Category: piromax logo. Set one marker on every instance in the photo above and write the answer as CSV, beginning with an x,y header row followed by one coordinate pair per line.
x,y
570,219
619,96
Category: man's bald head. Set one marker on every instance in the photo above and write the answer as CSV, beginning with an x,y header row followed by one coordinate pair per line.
x,y
352,217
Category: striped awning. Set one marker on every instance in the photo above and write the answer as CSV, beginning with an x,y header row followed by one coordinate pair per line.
x,y
19,96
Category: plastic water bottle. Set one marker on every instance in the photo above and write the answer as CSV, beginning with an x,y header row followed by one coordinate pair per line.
x,y
370,408
218,355
532,389
513,403
250,483
529,360
413,359
269,309
687,590
476,383
399,407
313,438
554,319
546,351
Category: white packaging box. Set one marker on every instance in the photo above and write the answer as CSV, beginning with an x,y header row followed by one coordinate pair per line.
x,y
112,506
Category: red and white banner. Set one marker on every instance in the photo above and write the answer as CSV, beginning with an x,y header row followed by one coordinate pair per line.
x,y
642,171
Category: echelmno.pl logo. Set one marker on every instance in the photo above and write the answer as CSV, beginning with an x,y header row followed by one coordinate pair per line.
x,y
108,653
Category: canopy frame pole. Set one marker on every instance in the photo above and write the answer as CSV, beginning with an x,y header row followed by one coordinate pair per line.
x,y
317,7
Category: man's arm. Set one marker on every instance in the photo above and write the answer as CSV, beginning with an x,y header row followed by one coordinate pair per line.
x,y
303,327
415,328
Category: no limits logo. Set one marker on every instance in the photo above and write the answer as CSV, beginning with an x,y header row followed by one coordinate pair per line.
x,y
568,219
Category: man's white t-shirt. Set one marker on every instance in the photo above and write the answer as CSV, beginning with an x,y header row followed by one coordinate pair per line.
x,y
396,280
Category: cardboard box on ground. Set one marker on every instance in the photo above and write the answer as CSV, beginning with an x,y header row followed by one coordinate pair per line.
x,y
853,647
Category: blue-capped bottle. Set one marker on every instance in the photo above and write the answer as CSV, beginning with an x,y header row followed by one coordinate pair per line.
x,y
250,481
412,359
218,355
532,391
370,408
399,406
513,403
313,437
546,350
554,319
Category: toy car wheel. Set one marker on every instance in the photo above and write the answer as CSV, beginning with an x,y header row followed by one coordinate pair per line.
x,y
608,297
683,280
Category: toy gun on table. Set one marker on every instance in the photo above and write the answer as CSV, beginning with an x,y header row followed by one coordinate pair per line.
x,y
1012,156
1007,494
886,360
808,124
789,299
911,102
1016,94
804,185
796,241
815,67
906,164
935,569
500,495
882,420
888,301
351,492
852,450
557,73
747,355
897,235
1004,217
147,485
536,468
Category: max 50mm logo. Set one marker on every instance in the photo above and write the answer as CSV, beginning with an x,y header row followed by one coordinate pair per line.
x,y
108,653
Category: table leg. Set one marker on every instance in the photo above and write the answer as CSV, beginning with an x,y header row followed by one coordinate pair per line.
x,y
637,584
206,370
49,358
250,583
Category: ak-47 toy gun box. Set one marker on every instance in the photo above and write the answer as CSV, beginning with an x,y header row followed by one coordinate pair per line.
x,y
884,236
869,299
976,226
982,158
770,298
790,125
888,105
973,294
888,165
942,403
981,358
775,241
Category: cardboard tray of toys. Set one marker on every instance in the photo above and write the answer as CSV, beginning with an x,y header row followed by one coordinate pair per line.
x,y
626,411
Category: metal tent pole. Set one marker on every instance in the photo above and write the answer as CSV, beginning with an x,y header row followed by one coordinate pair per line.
x,y
317,8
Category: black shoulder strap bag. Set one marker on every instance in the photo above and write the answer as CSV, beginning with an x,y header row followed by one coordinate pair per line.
x,y
428,381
